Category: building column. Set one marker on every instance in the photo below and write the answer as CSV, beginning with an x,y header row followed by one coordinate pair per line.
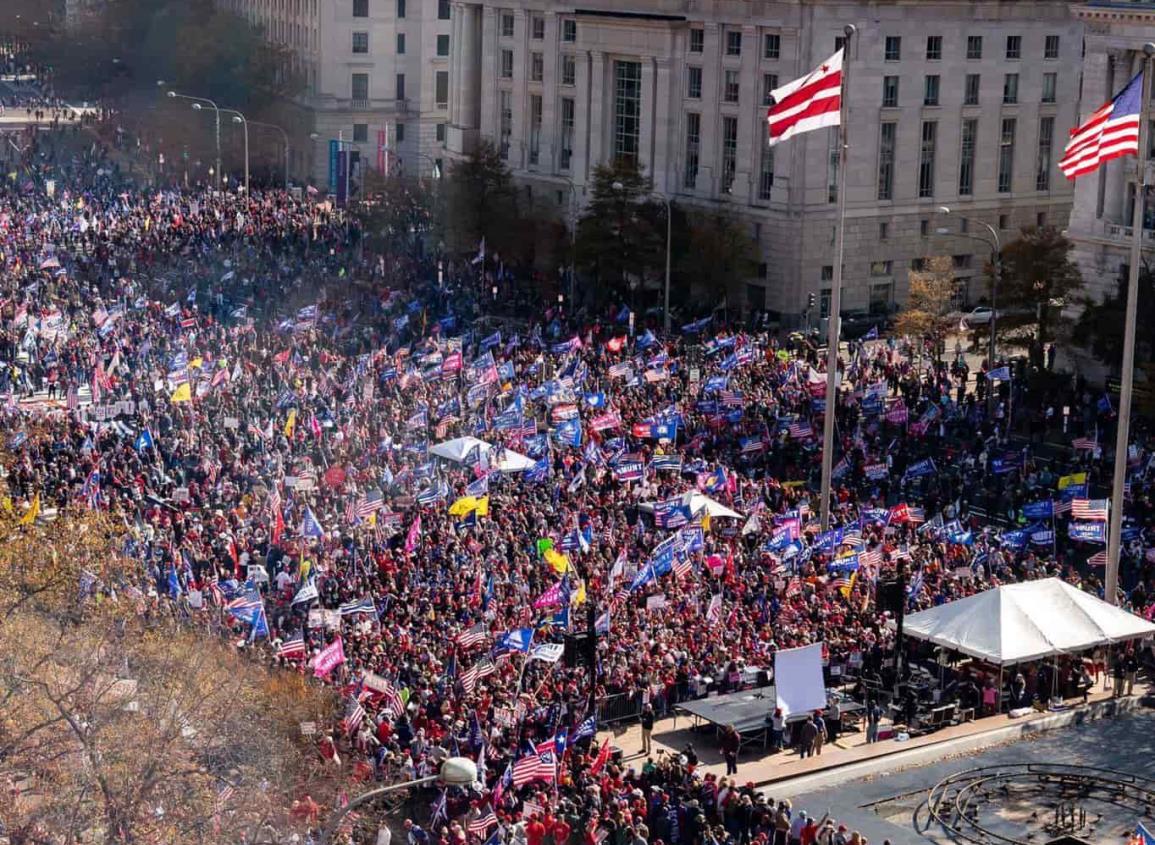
x,y
465,80
665,132
596,134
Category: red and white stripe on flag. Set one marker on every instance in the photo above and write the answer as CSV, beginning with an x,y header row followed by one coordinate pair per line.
x,y
812,102
1110,132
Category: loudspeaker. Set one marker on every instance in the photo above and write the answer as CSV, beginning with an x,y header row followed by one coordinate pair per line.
x,y
890,596
578,648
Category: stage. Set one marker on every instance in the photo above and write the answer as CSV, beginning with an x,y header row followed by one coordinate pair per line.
x,y
749,711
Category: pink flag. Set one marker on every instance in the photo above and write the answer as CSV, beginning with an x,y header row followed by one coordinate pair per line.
x,y
414,533
329,659
550,598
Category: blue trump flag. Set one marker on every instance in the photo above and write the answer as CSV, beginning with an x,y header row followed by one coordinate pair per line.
x,y
519,639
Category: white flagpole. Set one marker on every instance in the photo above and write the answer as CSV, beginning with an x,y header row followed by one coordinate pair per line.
x,y
836,287
1122,437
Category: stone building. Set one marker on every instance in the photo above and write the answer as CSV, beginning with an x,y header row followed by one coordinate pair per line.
x,y
962,104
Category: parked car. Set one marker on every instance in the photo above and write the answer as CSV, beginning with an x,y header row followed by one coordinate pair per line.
x,y
980,316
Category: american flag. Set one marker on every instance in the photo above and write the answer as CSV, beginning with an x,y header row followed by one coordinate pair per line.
x,y
1084,443
226,792
1092,510
364,605
682,566
73,399
1062,506
1098,559
541,766
481,824
1110,132
292,648
800,430
915,515
369,503
354,715
378,687
529,809
807,103
482,668
472,636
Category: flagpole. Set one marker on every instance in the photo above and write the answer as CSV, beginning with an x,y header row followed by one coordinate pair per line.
x,y
1122,436
836,286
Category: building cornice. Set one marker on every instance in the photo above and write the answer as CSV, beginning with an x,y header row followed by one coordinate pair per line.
x,y
1117,12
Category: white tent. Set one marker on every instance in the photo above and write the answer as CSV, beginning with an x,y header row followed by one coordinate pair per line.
x,y
698,503
1019,622
460,449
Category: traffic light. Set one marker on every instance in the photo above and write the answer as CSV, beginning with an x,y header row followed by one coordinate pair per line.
x,y
810,301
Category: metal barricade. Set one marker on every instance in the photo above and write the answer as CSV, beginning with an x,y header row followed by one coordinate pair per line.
x,y
619,707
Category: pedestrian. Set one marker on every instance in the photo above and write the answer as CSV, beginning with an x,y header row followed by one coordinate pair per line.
x,y
731,743
647,720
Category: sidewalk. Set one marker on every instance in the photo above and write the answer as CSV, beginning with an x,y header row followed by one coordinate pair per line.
x,y
671,735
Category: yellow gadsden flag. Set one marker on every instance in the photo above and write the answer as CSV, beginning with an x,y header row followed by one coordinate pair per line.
x,y
558,561
183,393
468,504
291,422
1076,478
32,513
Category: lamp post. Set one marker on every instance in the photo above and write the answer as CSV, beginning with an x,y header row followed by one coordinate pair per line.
x,y
996,267
240,118
455,771
618,186
573,220
284,138
197,101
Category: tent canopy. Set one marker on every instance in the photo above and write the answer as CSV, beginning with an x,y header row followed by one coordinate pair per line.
x,y
697,502
461,449
1019,622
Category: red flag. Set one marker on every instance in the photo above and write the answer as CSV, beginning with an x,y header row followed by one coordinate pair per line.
x,y
603,757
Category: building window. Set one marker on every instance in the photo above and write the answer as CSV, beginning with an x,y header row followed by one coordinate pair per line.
x,y
824,296
359,86
832,162
733,42
693,82
537,28
966,165
534,128
506,25
360,42
1010,89
505,129
926,158
443,45
964,225
881,268
971,90
827,274
886,140
568,69
569,31
693,148
934,48
1043,157
360,133
441,89
729,153
568,111
962,262
766,171
769,83
361,8
917,265
974,47
1004,222
731,87
1006,155
536,67
400,8
890,92
400,133
1050,83
1051,47
883,230
1014,47
771,46
627,110
443,10
930,90
439,133
507,64
401,44
400,86
880,298
697,40
893,51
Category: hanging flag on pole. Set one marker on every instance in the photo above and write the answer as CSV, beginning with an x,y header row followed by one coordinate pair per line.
x,y
1110,132
812,102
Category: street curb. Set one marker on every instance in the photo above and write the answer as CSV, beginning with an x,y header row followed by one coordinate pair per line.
x,y
901,757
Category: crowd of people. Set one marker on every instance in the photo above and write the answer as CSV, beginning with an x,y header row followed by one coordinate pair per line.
x,y
259,401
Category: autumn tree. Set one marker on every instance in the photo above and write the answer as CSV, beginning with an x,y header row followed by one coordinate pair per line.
x,y
478,201
929,302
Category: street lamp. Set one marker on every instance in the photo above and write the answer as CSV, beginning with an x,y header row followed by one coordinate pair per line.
x,y
284,137
618,186
455,771
996,266
240,118
197,101
573,221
